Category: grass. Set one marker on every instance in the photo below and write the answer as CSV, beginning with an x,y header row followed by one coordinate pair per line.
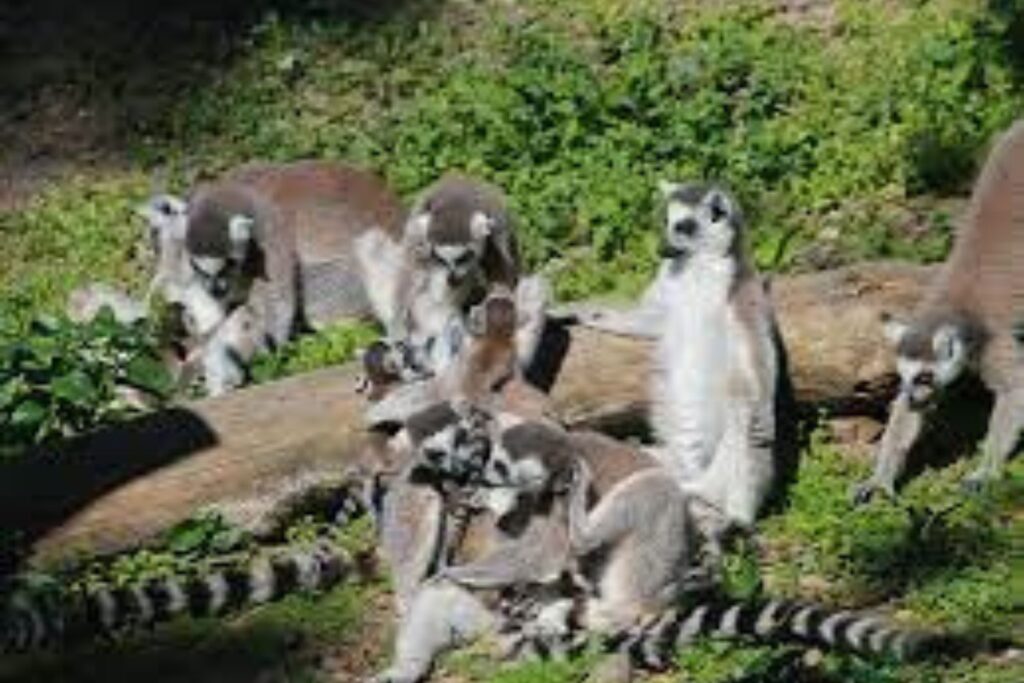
x,y
279,642
958,570
847,138
840,142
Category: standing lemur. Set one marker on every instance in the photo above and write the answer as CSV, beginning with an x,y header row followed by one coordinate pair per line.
x,y
718,380
273,244
965,323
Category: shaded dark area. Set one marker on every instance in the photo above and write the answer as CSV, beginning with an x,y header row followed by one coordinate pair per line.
x,y
80,81
176,653
790,439
954,429
941,165
43,489
1011,38
545,367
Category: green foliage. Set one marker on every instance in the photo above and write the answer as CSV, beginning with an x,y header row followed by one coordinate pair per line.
x,y
332,346
940,554
63,378
77,232
825,138
843,140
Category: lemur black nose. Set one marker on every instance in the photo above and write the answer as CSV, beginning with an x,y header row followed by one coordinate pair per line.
x,y
686,227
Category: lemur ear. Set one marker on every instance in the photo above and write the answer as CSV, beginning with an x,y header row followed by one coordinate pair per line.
x,y
719,205
893,328
480,225
948,345
240,228
667,188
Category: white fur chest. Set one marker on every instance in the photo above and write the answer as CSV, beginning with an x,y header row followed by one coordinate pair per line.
x,y
433,305
435,312
695,355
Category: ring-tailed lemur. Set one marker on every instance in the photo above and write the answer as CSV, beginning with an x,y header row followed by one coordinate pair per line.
x,y
276,238
459,242
632,596
965,324
718,383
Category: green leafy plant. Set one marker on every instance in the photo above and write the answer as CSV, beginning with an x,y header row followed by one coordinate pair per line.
x,y
332,346
63,378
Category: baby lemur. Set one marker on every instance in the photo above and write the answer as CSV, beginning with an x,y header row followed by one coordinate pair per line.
x,y
484,370
718,382
965,324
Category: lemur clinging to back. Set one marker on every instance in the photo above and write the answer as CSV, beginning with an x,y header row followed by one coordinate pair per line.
x,y
718,383
966,323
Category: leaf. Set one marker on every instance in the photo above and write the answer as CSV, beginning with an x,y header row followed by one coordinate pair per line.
x,y
76,388
9,391
28,414
145,372
187,539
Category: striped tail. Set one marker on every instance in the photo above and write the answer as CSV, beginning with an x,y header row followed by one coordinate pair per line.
x,y
28,622
652,645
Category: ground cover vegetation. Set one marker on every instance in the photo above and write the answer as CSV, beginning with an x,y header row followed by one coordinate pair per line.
x,y
850,129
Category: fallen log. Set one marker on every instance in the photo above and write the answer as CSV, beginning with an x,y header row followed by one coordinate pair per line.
x,y
246,451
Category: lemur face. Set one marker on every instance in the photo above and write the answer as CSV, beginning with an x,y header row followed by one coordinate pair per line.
x,y
449,244
196,308
219,249
699,219
166,219
462,449
524,472
929,357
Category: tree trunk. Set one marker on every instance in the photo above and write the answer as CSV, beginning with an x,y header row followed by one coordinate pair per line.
x,y
247,451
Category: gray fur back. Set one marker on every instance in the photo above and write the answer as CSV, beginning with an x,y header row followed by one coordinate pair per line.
x,y
332,292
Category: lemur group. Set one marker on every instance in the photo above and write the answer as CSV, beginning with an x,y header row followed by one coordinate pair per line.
x,y
494,518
